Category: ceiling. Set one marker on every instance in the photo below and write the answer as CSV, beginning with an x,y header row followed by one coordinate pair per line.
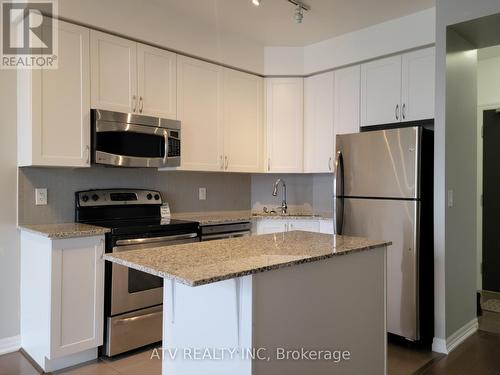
x,y
272,23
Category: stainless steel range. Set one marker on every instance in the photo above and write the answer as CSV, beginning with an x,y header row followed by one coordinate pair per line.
x,y
133,299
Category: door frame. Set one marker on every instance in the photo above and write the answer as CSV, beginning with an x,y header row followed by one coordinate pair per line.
x,y
479,213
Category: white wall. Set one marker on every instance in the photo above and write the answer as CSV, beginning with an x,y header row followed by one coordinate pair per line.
x,y
412,31
454,265
151,22
283,61
9,238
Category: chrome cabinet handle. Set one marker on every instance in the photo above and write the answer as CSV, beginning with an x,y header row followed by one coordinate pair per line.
x,y
268,164
330,163
141,104
397,111
403,111
134,103
221,162
87,150
227,162
101,250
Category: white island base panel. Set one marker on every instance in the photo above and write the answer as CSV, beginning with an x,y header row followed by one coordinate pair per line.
x,y
329,308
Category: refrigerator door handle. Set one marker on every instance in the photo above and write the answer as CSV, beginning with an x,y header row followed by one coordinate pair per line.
x,y
338,193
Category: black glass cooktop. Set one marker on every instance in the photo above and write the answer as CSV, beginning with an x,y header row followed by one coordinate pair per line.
x,y
147,226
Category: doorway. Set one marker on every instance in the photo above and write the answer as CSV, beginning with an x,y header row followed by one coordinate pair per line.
x,y
488,188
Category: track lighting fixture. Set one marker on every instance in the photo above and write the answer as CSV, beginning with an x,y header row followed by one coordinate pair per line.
x,y
300,7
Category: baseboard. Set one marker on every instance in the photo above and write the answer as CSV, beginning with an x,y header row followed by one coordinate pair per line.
x,y
453,341
10,344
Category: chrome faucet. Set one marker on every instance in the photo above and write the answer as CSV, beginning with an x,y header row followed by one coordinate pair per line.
x,y
284,207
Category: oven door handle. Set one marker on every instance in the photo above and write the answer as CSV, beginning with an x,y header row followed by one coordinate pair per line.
x,y
141,241
208,237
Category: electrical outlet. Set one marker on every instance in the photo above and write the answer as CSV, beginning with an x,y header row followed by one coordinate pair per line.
x,y
450,199
41,197
202,194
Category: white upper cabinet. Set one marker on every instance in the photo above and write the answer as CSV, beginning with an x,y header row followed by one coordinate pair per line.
x,y
284,125
399,88
418,85
156,82
199,108
114,73
54,106
132,77
381,91
319,123
243,121
346,100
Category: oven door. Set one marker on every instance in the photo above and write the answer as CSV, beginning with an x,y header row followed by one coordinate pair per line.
x,y
129,145
132,289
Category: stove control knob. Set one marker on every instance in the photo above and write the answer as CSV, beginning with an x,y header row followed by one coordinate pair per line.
x,y
95,197
157,197
149,196
85,198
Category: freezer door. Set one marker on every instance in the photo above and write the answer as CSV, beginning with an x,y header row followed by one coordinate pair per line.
x,y
382,163
396,221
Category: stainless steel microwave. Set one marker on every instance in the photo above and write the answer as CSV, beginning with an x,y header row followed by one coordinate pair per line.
x,y
131,140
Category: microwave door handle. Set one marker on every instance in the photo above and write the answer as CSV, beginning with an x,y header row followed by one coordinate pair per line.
x,y
165,157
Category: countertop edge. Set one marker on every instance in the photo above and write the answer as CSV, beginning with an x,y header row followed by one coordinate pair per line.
x,y
60,234
109,257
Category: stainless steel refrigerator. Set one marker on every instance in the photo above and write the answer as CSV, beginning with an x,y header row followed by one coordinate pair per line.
x,y
383,190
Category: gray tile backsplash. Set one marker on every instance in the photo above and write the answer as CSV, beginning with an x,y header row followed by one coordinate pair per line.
x,y
225,191
305,192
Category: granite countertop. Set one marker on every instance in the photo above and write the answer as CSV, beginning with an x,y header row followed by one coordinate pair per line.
x,y
215,217
66,230
224,217
203,263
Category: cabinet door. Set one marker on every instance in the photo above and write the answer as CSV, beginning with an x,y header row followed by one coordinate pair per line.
x,y
326,226
318,123
347,97
113,72
381,91
156,82
284,124
271,226
54,105
418,85
199,108
243,122
77,297
60,119
306,225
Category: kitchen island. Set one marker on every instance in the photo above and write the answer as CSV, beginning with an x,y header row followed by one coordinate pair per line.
x,y
321,309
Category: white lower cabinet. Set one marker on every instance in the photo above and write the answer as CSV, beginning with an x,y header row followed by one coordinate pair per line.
x,y
283,225
326,226
62,299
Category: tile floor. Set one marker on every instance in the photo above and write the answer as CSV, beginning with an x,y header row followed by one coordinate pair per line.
x,y
489,321
478,355
402,361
